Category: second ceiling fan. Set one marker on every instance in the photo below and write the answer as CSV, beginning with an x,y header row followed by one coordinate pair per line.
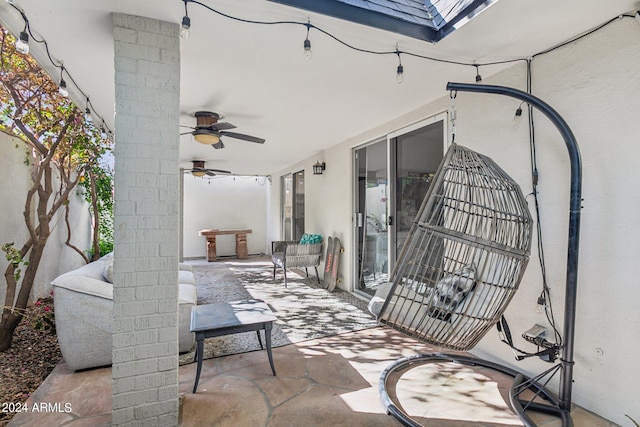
x,y
199,169
209,130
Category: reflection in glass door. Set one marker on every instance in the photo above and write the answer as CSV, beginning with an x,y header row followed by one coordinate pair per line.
x,y
386,208
417,155
292,206
372,200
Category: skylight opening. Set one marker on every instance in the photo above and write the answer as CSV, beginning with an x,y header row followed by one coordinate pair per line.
x,y
429,20
449,15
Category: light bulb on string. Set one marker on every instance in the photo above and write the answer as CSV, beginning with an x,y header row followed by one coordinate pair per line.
x,y
87,113
540,305
478,76
22,43
400,74
186,23
62,89
518,115
400,69
185,29
307,43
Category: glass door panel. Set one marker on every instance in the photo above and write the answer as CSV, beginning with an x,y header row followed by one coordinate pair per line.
x,y
292,202
298,209
286,184
372,202
417,155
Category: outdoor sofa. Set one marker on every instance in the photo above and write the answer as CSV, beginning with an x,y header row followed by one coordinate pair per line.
x,y
83,306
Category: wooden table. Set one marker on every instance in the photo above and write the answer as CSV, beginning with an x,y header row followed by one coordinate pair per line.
x,y
214,320
241,242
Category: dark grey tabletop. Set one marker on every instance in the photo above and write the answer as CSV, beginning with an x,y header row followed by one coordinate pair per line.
x,y
222,315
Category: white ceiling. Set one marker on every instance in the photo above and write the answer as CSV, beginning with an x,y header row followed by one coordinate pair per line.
x,y
257,76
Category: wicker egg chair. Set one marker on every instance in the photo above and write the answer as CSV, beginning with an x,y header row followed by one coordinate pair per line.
x,y
464,256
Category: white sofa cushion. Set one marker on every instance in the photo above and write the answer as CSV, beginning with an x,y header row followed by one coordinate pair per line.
x,y
187,294
185,267
186,277
108,271
88,279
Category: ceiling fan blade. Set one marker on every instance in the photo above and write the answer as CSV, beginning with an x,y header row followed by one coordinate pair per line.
x,y
184,126
218,171
209,173
222,126
186,133
218,145
244,137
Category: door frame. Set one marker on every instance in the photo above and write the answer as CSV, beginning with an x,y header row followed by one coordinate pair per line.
x,y
391,172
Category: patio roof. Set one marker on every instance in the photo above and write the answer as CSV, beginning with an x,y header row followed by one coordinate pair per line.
x,y
257,77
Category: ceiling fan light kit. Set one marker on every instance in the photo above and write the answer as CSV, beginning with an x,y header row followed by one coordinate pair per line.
x,y
206,136
208,130
200,170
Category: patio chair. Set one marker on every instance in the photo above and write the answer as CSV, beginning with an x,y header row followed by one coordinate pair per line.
x,y
291,254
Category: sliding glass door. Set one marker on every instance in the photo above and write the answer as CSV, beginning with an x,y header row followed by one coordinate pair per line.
x,y
292,206
372,207
386,208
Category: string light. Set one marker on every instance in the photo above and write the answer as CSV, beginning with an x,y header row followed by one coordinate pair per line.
x,y
22,43
518,115
307,43
87,113
62,90
22,46
400,69
186,24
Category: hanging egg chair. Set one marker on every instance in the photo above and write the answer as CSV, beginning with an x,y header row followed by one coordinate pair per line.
x,y
464,257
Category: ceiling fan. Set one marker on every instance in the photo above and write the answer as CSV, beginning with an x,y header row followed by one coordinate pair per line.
x,y
209,130
198,169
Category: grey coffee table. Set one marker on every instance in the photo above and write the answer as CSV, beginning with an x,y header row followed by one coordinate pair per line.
x,y
214,320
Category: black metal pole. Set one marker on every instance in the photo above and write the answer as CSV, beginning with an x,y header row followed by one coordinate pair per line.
x,y
566,379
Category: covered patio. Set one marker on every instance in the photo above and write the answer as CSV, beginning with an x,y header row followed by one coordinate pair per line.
x,y
332,380
323,89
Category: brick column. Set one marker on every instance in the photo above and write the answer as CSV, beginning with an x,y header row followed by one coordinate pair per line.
x,y
147,197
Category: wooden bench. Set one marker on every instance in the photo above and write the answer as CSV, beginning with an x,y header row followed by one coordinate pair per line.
x,y
241,242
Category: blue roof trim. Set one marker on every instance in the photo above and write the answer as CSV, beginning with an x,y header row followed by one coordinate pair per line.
x,y
366,16
407,17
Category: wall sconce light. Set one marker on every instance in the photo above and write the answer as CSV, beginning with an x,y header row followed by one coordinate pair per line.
x,y
318,168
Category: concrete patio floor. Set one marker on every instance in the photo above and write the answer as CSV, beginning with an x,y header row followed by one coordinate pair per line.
x,y
332,381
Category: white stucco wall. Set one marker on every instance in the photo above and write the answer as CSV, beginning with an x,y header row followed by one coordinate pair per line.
x,y
593,84
58,258
224,202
